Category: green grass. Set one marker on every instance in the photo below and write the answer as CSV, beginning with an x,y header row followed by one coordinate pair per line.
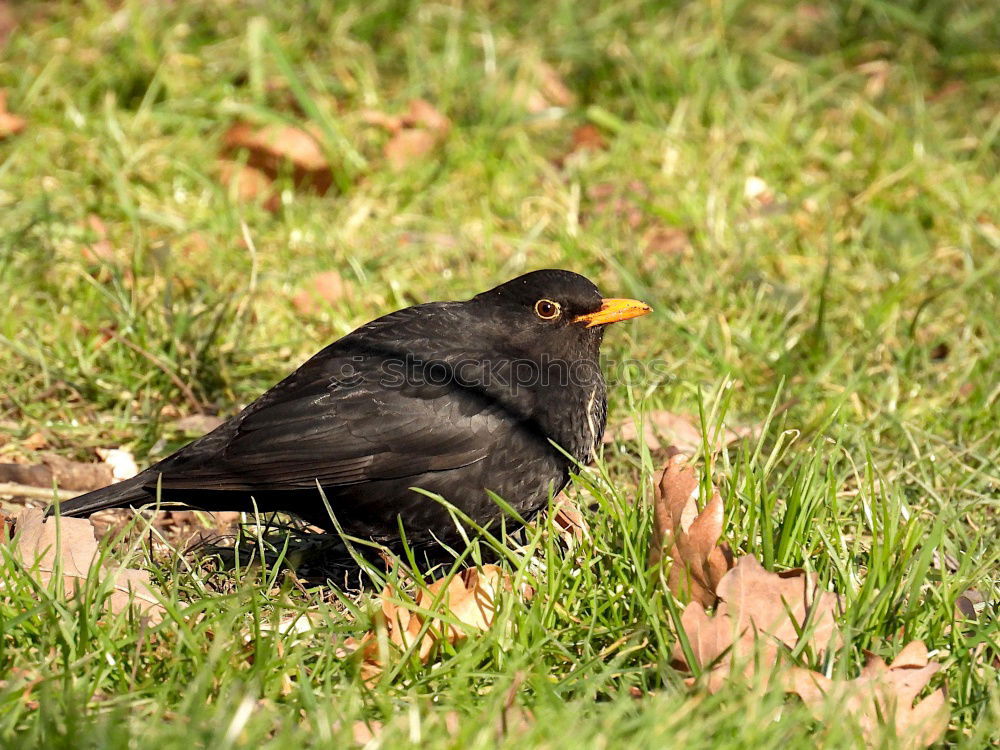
x,y
864,298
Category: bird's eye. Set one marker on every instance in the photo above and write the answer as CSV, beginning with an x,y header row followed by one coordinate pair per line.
x,y
546,309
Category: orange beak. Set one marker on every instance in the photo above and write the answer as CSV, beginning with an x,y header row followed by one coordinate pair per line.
x,y
614,311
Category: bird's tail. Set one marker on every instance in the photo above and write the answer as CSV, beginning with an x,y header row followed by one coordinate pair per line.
x,y
130,492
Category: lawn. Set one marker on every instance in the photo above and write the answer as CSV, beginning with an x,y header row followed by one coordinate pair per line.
x,y
807,194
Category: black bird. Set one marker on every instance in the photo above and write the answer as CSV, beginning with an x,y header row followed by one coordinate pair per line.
x,y
499,393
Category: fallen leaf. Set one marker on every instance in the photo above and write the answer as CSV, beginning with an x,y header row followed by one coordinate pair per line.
x,y
759,613
392,123
422,114
877,73
585,139
661,240
272,148
588,137
295,622
35,442
757,598
408,146
100,250
697,561
10,124
882,694
568,518
44,545
248,184
543,89
950,88
969,605
321,290
415,133
465,602
678,430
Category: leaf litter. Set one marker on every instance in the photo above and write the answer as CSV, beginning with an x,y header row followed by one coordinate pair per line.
x,y
761,616
698,561
740,621
882,695
414,133
66,549
10,124
445,611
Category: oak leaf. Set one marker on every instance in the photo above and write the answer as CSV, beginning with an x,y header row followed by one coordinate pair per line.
x,y
67,547
272,148
445,611
248,184
697,561
414,134
760,613
569,520
322,289
10,124
883,694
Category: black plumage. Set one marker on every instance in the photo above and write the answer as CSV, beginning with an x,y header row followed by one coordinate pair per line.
x,y
455,398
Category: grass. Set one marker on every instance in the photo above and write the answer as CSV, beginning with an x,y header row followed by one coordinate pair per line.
x,y
863,298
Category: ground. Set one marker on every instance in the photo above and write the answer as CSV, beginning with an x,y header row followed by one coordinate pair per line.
x,y
807,194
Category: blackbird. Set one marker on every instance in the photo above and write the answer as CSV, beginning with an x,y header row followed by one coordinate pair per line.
x,y
500,393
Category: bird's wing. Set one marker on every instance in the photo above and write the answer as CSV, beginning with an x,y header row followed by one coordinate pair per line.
x,y
320,425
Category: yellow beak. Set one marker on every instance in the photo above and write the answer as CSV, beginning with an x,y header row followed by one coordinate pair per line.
x,y
614,311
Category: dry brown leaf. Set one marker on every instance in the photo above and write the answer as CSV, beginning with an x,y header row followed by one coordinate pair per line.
x,y
568,518
662,240
101,250
759,611
321,290
248,184
271,148
543,89
678,430
877,72
10,124
42,545
468,598
881,694
391,123
588,137
969,605
759,599
698,562
422,114
36,441
415,133
293,622
408,146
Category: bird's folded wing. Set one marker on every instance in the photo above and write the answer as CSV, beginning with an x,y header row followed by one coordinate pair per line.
x,y
306,430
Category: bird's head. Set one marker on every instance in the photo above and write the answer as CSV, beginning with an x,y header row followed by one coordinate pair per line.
x,y
554,311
